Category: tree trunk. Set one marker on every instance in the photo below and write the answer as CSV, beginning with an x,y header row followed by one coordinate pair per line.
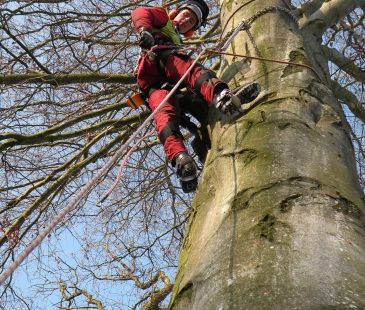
x,y
278,218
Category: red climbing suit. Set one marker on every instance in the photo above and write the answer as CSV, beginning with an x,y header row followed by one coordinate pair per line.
x,y
151,75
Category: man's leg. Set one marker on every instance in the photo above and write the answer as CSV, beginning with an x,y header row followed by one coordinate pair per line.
x,y
167,124
205,82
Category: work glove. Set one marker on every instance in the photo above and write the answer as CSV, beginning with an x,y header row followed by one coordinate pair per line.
x,y
146,39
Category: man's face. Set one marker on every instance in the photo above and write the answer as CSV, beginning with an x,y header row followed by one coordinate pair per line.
x,y
185,20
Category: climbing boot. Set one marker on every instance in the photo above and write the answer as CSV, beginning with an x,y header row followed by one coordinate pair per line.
x,y
227,103
248,92
187,171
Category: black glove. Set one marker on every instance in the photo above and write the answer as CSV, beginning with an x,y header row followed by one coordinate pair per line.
x,y
146,39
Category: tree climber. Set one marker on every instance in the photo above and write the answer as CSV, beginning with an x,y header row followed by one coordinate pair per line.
x,y
161,65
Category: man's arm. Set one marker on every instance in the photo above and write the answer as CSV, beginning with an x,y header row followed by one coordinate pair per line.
x,y
149,17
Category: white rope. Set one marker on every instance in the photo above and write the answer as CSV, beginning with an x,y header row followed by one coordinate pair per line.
x,y
88,186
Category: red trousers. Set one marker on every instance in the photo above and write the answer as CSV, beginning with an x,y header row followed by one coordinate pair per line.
x,y
150,75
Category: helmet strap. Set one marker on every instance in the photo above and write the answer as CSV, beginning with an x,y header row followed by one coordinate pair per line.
x,y
189,34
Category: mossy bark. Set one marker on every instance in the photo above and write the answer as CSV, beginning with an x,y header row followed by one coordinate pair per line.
x,y
278,218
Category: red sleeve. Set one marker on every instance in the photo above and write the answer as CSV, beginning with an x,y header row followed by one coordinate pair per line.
x,y
149,17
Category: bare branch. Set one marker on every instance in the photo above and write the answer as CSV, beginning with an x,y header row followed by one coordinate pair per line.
x,y
128,273
62,79
344,63
329,14
308,8
78,292
349,99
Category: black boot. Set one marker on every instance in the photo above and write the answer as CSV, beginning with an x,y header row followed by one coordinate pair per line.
x,y
187,171
248,92
226,102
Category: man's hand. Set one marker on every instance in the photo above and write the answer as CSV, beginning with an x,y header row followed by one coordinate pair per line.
x,y
146,39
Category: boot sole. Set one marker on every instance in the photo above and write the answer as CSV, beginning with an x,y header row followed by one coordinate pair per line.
x,y
248,92
189,187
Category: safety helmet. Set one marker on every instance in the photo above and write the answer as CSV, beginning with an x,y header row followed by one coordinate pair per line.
x,y
200,9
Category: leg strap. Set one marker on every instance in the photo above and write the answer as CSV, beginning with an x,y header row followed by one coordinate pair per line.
x,y
170,129
162,56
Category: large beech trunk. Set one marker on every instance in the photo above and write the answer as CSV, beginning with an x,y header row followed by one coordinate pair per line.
x,y
278,217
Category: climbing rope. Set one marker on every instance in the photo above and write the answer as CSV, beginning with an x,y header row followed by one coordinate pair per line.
x,y
245,25
212,51
89,185
117,179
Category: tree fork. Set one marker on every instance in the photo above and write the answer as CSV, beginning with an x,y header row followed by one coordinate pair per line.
x,y
278,218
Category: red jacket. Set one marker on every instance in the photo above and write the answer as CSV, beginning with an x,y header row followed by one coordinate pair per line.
x,y
156,20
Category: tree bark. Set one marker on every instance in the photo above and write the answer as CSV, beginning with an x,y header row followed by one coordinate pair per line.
x,y
278,218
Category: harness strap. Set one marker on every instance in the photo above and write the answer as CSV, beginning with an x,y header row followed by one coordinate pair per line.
x,y
163,55
188,124
167,86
